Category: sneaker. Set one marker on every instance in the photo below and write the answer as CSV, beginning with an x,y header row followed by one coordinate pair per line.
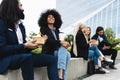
x,y
106,71
108,60
99,71
105,63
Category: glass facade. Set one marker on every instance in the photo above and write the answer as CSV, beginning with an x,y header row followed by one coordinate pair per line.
x,y
107,17
95,13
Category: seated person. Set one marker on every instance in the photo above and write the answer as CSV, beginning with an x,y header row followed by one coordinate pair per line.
x,y
15,50
105,49
50,22
103,61
82,44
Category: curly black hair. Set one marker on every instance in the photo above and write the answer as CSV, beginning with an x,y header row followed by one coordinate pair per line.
x,y
43,18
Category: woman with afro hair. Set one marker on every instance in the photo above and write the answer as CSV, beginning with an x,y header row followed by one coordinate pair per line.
x,y
50,22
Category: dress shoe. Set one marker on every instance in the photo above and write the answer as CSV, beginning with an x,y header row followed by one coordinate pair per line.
x,y
61,79
112,67
99,71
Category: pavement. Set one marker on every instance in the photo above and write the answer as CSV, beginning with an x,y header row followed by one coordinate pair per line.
x,y
113,75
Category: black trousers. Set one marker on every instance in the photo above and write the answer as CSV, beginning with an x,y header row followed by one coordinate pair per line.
x,y
111,52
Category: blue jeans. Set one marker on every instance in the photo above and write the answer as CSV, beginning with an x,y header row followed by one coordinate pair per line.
x,y
63,59
92,54
96,50
96,54
28,61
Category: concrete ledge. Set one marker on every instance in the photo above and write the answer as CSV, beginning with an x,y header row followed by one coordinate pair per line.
x,y
76,68
11,75
118,55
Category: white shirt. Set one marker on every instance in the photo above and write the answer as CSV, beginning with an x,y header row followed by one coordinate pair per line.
x,y
100,38
19,34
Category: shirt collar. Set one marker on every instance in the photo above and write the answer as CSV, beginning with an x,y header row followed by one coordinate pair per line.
x,y
52,29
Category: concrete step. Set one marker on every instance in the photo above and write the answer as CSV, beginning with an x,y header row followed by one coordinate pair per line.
x,y
76,68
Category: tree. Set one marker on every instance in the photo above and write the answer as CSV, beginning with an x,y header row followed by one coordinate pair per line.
x,y
111,36
69,38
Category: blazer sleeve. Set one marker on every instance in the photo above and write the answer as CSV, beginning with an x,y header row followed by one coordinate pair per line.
x,y
105,38
5,47
80,41
95,37
50,40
